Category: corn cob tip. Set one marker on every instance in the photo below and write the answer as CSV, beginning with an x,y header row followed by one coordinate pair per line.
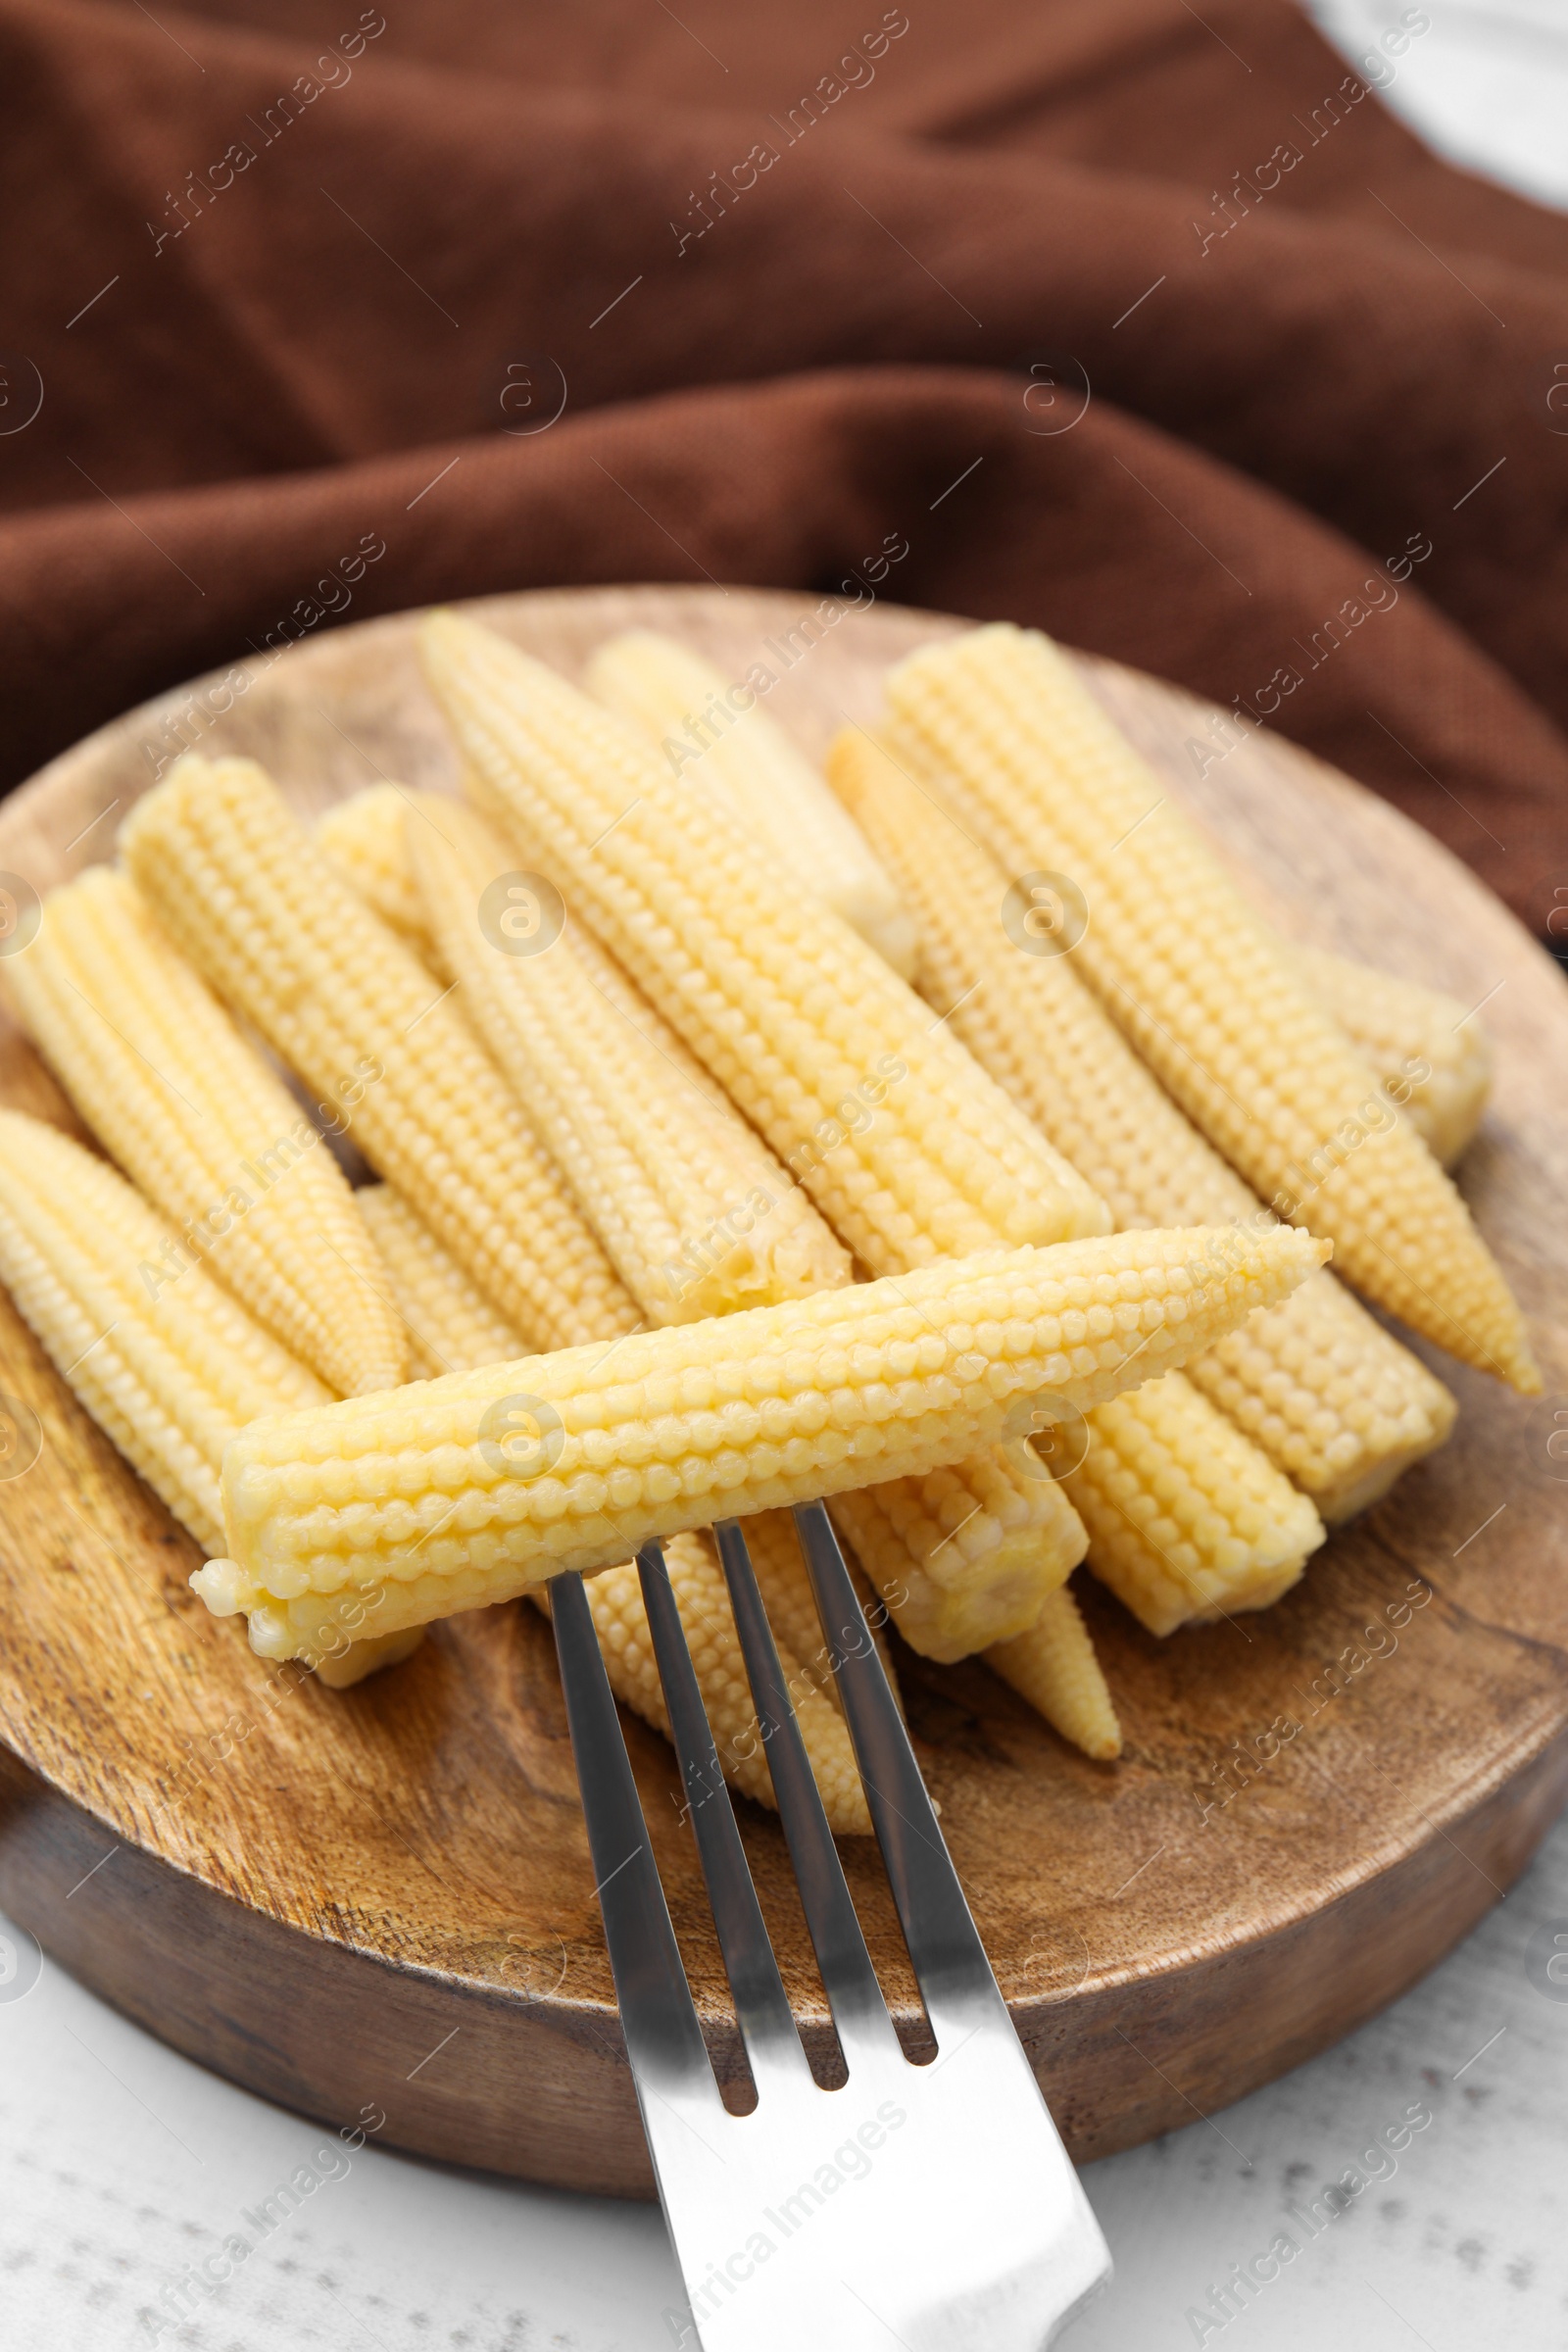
x,y
1053,1666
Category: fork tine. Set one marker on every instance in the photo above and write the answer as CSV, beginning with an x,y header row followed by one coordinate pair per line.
x,y
761,2005
663,2041
860,2012
944,1943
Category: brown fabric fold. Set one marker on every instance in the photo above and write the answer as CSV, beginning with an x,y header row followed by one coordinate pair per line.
x,y
1156,329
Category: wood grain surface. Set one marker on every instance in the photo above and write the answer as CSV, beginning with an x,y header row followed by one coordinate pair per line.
x,y
386,1895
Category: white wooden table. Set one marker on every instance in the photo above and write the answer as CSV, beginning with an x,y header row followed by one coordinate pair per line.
x,y
122,2166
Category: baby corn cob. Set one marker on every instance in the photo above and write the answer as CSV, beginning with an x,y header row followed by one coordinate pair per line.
x,y
1401,1029
1186,1519
910,1150
620,1621
1054,1667
910,1535
998,723
364,838
716,735
170,1371
701,1219
770,956
980,1519
1336,1404
244,889
456,1330
214,1139
697,1215
450,1325
178,1367
461,1492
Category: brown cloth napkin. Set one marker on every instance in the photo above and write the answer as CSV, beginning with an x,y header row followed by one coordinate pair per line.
x,y
1147,325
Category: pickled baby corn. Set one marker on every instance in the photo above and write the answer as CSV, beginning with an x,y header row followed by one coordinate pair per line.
x,y
456,1330
909,1151
1401,1029
213,1138
453,1330
460,1491
364,838
1187,1521
697,1215
701,1219
1054,1667
244,889
768,990
169,1370
715,734
1337,1404
910,1535
450,1325
998,725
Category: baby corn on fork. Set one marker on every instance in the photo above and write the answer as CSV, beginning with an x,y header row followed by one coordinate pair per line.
x,y
952,2219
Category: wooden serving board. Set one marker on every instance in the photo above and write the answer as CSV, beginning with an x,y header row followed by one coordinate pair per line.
x,y
385,1895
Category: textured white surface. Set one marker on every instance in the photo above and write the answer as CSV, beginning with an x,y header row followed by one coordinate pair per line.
x,y
120,2164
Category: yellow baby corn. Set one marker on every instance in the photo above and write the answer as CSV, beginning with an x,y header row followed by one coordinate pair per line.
x,y
697,1580
455,1493
450,1325
714,733
1054,1667
697,1215
910,1152
169,1370
1186,1519
1335,1402
1000,725
245,891
910,1535
701,1219
997,1521
1427,1051
364,838
214,1139
456,1330
1397,1026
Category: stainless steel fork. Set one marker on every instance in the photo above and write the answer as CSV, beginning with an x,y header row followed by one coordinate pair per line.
x,y
931,2206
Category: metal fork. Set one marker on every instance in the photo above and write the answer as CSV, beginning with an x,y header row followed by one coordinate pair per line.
x,y
931,2206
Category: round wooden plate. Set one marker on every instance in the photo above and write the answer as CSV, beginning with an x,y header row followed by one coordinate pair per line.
x,y
385,1895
